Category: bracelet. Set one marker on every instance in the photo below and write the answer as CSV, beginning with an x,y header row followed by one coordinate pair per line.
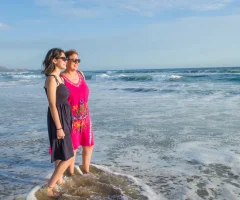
x,y
58,129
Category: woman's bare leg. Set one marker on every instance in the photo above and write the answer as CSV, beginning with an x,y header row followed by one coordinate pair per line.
x,y
86,158
71,167
58,172
60,180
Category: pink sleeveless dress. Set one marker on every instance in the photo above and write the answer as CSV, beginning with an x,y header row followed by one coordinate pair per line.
x,y
82,133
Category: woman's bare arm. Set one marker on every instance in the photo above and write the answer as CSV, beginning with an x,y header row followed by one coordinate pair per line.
x,y
51,86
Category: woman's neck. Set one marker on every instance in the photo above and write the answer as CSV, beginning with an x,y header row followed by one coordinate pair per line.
x,y
57,71
70,72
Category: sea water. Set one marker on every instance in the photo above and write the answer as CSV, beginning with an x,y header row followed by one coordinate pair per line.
x,y
163,133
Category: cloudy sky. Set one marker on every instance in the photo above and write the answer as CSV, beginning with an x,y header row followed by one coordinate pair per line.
x,y
122,34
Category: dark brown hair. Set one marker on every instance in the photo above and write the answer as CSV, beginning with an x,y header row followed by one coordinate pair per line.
x,y
47,63
70,52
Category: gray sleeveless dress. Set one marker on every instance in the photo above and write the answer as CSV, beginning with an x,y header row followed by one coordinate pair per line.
x,y
61,149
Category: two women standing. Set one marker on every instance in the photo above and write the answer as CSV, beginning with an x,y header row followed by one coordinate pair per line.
x,y
68,119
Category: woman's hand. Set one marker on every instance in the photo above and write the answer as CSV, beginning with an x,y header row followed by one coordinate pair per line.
x,y
60,134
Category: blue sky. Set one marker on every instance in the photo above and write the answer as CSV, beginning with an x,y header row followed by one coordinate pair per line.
x,y
122,34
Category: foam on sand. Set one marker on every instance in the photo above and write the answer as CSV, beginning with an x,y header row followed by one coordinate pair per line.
x,y
102,184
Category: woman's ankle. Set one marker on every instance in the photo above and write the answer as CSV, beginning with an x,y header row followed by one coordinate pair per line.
x,y
60,181
49,186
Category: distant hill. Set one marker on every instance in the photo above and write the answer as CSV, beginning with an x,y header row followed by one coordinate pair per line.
x,y
5,69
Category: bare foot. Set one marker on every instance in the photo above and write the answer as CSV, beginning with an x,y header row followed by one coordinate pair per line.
x,y
51,193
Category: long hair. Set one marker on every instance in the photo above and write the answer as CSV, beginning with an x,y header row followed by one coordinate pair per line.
x,y
48,64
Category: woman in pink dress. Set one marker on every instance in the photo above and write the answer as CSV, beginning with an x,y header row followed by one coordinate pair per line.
x,y
82,134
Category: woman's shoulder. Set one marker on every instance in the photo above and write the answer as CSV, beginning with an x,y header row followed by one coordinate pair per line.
x,y
51,77
50,80
81,73
63,76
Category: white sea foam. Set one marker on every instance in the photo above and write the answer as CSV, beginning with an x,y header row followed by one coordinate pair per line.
x,y
175,76
205,154
161,77
31,194
111,72
9,83
102,77
211,167
135,77
27,76
148,191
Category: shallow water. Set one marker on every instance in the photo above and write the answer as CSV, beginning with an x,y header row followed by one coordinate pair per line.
x,y
177,132
99,185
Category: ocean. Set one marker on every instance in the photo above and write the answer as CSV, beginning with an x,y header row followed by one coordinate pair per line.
x,y
159,134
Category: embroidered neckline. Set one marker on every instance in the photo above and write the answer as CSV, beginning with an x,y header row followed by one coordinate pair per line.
x,y
72,83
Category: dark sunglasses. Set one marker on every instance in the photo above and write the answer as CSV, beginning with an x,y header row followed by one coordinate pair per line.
x,y
63,58
75,60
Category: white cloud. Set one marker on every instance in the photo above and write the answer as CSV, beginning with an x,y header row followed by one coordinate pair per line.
x,y
92,8
4,26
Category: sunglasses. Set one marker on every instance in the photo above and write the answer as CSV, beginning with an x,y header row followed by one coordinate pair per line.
x,y
63,58
75,60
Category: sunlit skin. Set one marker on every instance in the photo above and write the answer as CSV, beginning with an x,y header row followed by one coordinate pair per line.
x,y
72,75
71,69
51,86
